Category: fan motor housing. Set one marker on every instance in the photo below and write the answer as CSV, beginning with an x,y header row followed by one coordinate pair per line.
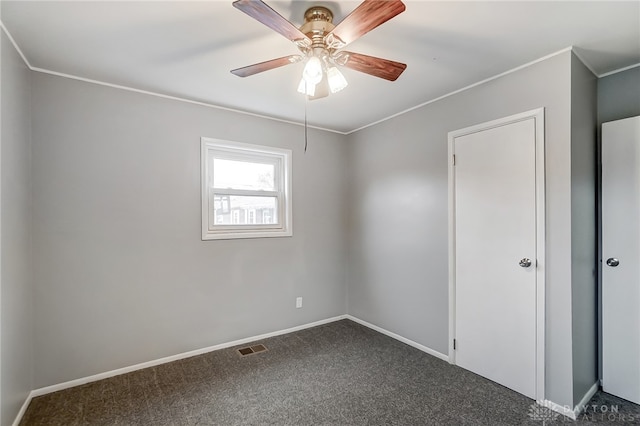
x,y
318,21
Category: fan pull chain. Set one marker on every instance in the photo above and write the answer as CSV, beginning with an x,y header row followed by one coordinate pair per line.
x,y
306,136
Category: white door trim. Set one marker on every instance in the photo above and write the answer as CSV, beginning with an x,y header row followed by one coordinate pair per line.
x,y
538,116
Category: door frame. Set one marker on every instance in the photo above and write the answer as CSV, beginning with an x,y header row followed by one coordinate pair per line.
x,y
538,116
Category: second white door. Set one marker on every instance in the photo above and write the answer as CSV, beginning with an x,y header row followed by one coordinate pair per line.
x,y
621,252
495,253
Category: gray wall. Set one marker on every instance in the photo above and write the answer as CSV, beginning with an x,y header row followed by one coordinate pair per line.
x,y
583,228
16,277
619,95
398,212
121,273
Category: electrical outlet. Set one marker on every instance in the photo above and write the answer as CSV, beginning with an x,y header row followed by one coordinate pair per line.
x,y
298,302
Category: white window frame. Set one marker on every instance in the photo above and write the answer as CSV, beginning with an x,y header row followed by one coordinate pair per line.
x,y
228,150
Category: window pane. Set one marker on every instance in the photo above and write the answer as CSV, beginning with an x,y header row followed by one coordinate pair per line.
x,y
243,210
243,175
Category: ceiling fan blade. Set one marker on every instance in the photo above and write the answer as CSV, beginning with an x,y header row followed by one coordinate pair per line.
x,y
378,67
367,16
261,12
266,66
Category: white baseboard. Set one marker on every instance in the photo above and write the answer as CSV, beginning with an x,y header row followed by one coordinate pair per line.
x,y
400,338
585,399
81,381
574,412
23,409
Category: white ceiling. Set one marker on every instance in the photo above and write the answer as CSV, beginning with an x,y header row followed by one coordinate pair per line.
x,y
186,49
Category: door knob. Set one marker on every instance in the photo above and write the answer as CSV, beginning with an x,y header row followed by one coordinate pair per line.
x,y
525,263
613,262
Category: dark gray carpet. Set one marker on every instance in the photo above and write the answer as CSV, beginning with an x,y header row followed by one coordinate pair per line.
x,y
336,374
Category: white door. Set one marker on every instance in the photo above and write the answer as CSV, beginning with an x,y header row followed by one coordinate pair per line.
x,y
621,255
495,237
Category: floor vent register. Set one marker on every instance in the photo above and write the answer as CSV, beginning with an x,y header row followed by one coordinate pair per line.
x,y
251,350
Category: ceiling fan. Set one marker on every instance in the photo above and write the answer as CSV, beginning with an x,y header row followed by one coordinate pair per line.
x,y
320,41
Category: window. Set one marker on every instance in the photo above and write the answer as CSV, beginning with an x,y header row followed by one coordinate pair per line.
x,y
246,190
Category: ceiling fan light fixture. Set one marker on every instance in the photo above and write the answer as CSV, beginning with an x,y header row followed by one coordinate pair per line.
x,y
306,88
337,82
320,43
312,72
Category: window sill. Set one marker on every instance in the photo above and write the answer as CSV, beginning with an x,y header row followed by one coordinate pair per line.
x,y
235,234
